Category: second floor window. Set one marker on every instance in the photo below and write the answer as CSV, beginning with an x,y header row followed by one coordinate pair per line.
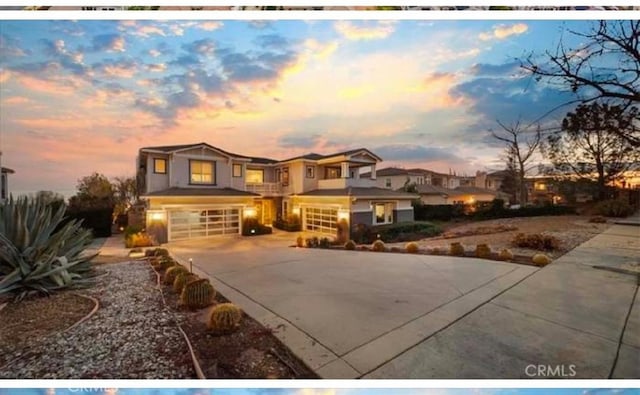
x,y
202,172
332,172
387,183
285,176
237,170
160,166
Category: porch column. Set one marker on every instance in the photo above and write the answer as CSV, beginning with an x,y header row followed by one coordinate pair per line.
x,y
373,171
345,169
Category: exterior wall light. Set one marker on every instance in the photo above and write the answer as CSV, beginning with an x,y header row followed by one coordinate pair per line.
x,y
296,210
250,212
156,215
343,214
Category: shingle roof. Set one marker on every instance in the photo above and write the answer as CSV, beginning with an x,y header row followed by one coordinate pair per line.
x,y
201,192
171,148
425,189
475,190
361,192
315,156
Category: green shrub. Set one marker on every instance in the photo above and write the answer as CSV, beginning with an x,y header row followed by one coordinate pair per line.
x,y
172,272
225,318
290,224
251,227
505,255
456,249
536,241
324,242
141,239
378,246
412,248
131,230
614,208
197,294
350,245
598,219
541,260
312,242
299,241
38,253
183,279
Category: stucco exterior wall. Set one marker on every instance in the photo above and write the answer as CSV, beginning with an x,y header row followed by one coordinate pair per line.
x,y
157,203
180,176
434,199
157,182
405,215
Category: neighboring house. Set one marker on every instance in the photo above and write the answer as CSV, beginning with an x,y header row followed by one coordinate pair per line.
x,y
396,178
434,195
4,180
491,180
198,190
431,194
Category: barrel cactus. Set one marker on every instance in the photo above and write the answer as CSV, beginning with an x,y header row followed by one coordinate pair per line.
x,y
197,294
181,280
225,318
483,251
412,247
456,249
505,254
541,259
378,246
172,272
350,245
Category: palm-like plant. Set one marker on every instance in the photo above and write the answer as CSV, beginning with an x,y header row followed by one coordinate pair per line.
x,y
38,253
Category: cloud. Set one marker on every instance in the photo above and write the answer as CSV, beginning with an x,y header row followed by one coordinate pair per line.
x,y
203,46
10,47
254,66
108,42
154,53
350,31
299,140
415,153
209,25
272,41
125,68
156,67
497,70
502,31
16,100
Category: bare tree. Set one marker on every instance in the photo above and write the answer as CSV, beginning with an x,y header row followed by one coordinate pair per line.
x,y
520,146
605,66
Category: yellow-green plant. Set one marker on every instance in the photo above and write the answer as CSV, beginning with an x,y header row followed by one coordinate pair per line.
x,y
225,318
172,272
483,251
300,241
541,259
197,294
181,280
505,254
350,245
38,253
412,248
456,249
378,246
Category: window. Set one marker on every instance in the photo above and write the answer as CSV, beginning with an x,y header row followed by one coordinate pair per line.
x,y
255,176
285,176
202,172
3,186
387,183
382,213
278,175
311,173
332,172
237,170
159,166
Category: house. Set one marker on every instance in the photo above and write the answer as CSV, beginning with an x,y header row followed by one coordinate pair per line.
x,y
4,181
396,178
434,195
198,190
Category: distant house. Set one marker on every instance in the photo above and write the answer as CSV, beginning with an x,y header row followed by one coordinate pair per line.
x,y
396,178
198,190
4,183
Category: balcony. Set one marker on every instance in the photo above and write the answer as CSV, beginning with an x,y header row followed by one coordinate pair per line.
x,y
265,188
339,183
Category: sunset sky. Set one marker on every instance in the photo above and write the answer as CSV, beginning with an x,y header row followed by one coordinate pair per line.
x,y
84,96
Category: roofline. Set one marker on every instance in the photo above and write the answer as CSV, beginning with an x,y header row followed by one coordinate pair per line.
x,y
8,170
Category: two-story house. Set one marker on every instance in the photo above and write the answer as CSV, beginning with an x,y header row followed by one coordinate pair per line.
x,y
198,190
396,178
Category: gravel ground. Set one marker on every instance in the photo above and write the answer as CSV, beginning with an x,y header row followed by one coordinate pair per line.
x,y
572,231
131,336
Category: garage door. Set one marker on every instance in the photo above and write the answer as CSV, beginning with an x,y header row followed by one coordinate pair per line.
x,y
321,220
187,224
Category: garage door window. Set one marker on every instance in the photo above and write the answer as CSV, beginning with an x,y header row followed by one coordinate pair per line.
x,y
203,223
322,220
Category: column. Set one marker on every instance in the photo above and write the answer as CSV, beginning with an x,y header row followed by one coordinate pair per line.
x,y
345,169
373,171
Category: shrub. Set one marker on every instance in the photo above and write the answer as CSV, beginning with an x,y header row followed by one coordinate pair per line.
x,y
541,260
97,219
350,245
172,272
141,239
614,208
505,255
299,241
483,251
362,234
435,251
440,212
536,241
38,253
456,249
181,280
404,231
598,219
312,242
251,227
225,318
163,263
197,294
378,246
412,248
132,229
290,224
324,242
156,252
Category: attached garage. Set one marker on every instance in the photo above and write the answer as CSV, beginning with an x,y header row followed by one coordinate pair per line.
x,y
205,222
320,220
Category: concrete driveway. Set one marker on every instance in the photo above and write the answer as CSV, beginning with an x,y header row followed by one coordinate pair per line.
x,y
347,313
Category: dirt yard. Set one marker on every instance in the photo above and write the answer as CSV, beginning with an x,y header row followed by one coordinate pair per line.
x,y
571,230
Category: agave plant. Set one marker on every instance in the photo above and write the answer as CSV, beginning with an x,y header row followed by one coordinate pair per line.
x,y
38,253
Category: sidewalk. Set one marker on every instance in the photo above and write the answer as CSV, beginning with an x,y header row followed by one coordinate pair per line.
x,y
568,320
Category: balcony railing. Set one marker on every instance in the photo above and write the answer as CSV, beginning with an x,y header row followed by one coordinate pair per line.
x,y
265,188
